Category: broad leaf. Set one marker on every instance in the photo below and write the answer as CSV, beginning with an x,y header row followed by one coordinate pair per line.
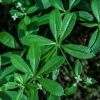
x,y
18,62
71,90
78,51
51,86
57,4
11,95
34,54
55,22
67,25
32,9
30,39
78,68
51,65
84,16
43,19
8,40
94,42
46,4
27,20
73,3
95,9
53,97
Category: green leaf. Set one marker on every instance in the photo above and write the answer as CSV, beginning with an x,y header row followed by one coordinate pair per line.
x,y
89,80
84,16
32,9
53,97
43,19
30,39
57,4
53,64
51,86
89,24
11,95
78,51
8,40
71,90
34,54
27,20
17,12
73,3
46,4
78,68
94,42
67,25
9,85
8,70
19,63
31,86
95,8
55,22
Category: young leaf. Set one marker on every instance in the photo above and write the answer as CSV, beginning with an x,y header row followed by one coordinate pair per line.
x,y
34,54
78,68
51,86
32,9
27,20
30,39
94,42
78,51
19,63
8,40
73,3
51,65
67,25
53,97
95,8
57,4
71,90
55,22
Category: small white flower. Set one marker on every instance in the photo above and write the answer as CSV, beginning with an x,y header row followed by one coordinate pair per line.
x,y
0,1
78,78
40,86
14,17
89,80
19,5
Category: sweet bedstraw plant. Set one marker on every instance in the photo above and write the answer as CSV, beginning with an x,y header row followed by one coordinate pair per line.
x,y
37,56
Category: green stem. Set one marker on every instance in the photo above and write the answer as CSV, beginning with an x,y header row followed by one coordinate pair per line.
x,y
66,59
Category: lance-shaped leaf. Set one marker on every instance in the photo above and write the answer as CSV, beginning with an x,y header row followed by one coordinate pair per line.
x,y
19,63
71,90
51,86
55,22
8,40
78,51
94,42
34,54
30,39
89,24
96,9
52,64
73,3
57,4
78,68
67,25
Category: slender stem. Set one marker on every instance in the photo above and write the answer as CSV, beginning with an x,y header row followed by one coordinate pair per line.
x,y
66,59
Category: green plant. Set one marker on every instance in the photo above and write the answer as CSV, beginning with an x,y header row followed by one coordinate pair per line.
x,y
34,62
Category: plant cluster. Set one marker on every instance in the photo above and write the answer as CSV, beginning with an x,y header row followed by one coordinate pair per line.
x,y
35,59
